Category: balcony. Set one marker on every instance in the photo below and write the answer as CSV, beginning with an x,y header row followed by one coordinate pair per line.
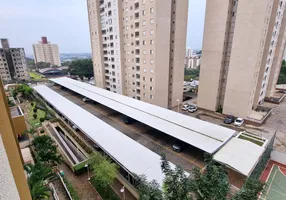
x,y
138,76
137,34
136,6
107,71
137,60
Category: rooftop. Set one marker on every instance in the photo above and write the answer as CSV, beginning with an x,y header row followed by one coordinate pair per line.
x,y
201,134
128,153
16,111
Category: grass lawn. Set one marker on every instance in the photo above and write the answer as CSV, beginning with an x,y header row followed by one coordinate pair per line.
x,y
40,113
260,143
35,75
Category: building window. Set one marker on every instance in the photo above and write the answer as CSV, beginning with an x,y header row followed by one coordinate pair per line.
x,y
144,42
143,1
151,52
144,32
144,22
144,94
151,96
151,88
144,52
144,61
151,42
143,12
151,61
144,78
151,21
144,86
151,70
151,32
151,10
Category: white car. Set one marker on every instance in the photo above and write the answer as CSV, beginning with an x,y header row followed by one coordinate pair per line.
x,y
192,109
185,107
238,122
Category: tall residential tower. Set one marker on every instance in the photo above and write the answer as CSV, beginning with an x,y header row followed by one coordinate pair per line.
x,y
13,64
138,48
243,47
46,52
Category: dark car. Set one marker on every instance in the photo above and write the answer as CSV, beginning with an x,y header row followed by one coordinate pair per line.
x,y
128,120
178,146
229,119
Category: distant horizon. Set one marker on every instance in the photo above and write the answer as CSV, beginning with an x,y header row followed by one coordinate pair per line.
x,y
65,23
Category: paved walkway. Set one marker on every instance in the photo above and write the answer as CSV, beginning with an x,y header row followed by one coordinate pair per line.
x,y
81,185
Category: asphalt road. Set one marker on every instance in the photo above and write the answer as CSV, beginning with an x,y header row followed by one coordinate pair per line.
x,y
150,138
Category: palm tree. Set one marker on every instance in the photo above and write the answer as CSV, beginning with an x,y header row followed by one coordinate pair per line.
x,y
39,191
37,176
31,132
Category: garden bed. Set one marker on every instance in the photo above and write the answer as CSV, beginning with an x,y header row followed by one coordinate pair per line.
x,y
35,122
105,193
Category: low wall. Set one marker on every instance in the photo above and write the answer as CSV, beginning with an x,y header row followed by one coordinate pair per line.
x,y
278,156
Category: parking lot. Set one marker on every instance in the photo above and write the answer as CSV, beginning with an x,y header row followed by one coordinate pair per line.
x,y
152,139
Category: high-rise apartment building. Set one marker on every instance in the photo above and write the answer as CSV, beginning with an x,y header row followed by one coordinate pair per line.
x,y
46,52
192,62
243,46
12,63
189,52
13,182
138,48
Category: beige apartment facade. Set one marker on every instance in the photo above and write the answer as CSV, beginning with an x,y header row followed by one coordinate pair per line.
x,y
237,67
138,48
46,52
13,184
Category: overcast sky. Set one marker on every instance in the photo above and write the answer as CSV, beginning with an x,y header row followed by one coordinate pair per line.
x,y
65,23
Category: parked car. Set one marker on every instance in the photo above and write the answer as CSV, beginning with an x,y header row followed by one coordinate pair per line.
x,y
229,119
192,108
185,107
238,122
178,147
128,120
85,99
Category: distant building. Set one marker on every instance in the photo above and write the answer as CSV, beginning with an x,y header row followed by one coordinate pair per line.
x,y
12,63
52,72
243,46
192,62
46,52
18,119
189,52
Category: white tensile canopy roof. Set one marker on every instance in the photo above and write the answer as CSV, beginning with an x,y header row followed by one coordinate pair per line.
x,y
239,154
128,153
201,134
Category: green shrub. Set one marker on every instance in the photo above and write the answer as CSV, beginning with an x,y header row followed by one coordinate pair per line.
x,y
106,193
35,116
42,131
35,110
32,104
42,119
72,191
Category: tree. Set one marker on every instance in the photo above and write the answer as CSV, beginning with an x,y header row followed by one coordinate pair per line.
x,y
41,65
148,190
176,183
25,90
191,74
46,150
249,191
37,175
81,68
35,116
212,184
282,75
105,172
39,191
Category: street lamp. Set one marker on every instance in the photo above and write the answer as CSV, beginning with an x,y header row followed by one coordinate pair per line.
x,y
88,178
122,190
178,100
